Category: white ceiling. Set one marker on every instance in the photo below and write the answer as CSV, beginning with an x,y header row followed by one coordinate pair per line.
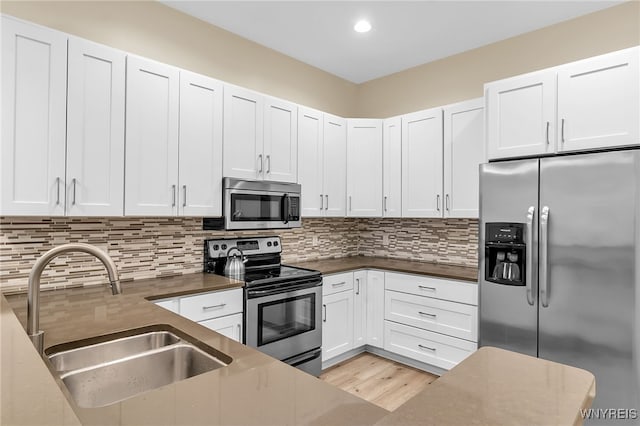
x,y
404,34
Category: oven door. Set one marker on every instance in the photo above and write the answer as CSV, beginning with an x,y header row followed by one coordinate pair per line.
x,y
284,323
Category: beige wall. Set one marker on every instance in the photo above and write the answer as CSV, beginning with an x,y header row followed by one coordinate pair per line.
x,y
462,76
150,29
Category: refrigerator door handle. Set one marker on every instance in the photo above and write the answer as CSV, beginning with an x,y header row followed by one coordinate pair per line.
x,y
529,261
544,257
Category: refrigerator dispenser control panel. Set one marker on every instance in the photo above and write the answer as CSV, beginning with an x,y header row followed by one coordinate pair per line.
x,y
505,253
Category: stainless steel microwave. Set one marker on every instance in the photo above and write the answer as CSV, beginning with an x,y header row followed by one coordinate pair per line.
x,y
256,204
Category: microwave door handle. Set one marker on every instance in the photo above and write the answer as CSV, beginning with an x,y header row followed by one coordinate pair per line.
x,y
285,208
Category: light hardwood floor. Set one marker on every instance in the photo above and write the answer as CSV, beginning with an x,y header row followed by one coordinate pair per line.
x,y
384,383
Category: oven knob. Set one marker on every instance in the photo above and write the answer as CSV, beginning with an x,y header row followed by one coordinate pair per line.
x,y
275,244
216,247
224,247
268,243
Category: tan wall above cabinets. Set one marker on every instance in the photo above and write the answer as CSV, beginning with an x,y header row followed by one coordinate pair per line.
x,y
462,76
153,30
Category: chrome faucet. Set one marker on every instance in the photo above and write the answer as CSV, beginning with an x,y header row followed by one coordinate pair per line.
x,y
33,292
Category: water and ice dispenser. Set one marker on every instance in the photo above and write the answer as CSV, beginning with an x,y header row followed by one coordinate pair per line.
x,y
505,253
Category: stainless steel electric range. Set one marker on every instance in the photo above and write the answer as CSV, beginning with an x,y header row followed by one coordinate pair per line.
x,y
282,304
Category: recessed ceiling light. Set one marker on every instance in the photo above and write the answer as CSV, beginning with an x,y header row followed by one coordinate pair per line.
x,y
362,26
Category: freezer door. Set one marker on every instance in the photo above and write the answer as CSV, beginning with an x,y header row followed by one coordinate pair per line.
x,y
508,316
588,293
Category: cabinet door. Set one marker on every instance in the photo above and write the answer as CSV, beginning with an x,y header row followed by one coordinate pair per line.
x,y
335,166
280,141
599,102
243,127
521,115
359,308
310,140
392,167
95,130
463,154
364,168
229,326
200,164
151,166
375,308
32,149
422,164
337,327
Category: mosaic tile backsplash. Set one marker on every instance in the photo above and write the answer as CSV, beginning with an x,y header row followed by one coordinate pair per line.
x,y
156,247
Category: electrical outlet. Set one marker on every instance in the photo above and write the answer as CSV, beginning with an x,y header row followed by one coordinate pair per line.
x,y
314,241
385,239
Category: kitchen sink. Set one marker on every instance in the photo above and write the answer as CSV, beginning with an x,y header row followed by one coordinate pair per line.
x,y
108,369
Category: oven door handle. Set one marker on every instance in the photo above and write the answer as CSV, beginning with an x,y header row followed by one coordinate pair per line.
x,y
284,289
301,359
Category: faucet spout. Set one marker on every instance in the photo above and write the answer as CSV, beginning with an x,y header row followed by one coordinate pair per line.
x,y
33,291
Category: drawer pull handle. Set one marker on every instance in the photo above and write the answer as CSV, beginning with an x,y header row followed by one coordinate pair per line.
x,y
338,284
428,314
221,305
424,287
426,347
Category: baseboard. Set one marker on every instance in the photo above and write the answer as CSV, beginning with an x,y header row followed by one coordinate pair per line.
x,y
384,354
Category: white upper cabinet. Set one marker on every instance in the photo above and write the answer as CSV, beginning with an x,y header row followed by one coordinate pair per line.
x,y
95,130
32,149
463,153
392,167
364,168
200,159
521,115
280,140
599,102
322,160
334,165
310,151
243,156
151,184
422,164
598,106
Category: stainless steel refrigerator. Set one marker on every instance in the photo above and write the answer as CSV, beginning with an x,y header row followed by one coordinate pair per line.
x,y
560,265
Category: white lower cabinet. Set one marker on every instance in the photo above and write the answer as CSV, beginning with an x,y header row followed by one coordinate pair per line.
x,y
431,320
374,312
221,311
229,326
426,346
441,316
359,308
337,324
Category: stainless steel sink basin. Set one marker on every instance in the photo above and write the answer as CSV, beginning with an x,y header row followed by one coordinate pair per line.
x,y
108,369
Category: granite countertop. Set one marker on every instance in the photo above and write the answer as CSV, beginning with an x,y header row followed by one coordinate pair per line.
x,y
332,266
254,389
491,386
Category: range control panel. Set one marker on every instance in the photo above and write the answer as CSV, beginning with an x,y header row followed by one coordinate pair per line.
x,y
258,245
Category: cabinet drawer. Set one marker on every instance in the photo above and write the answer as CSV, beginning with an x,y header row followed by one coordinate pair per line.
x,y
426,346
453,290
211,305
441,316
336,283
